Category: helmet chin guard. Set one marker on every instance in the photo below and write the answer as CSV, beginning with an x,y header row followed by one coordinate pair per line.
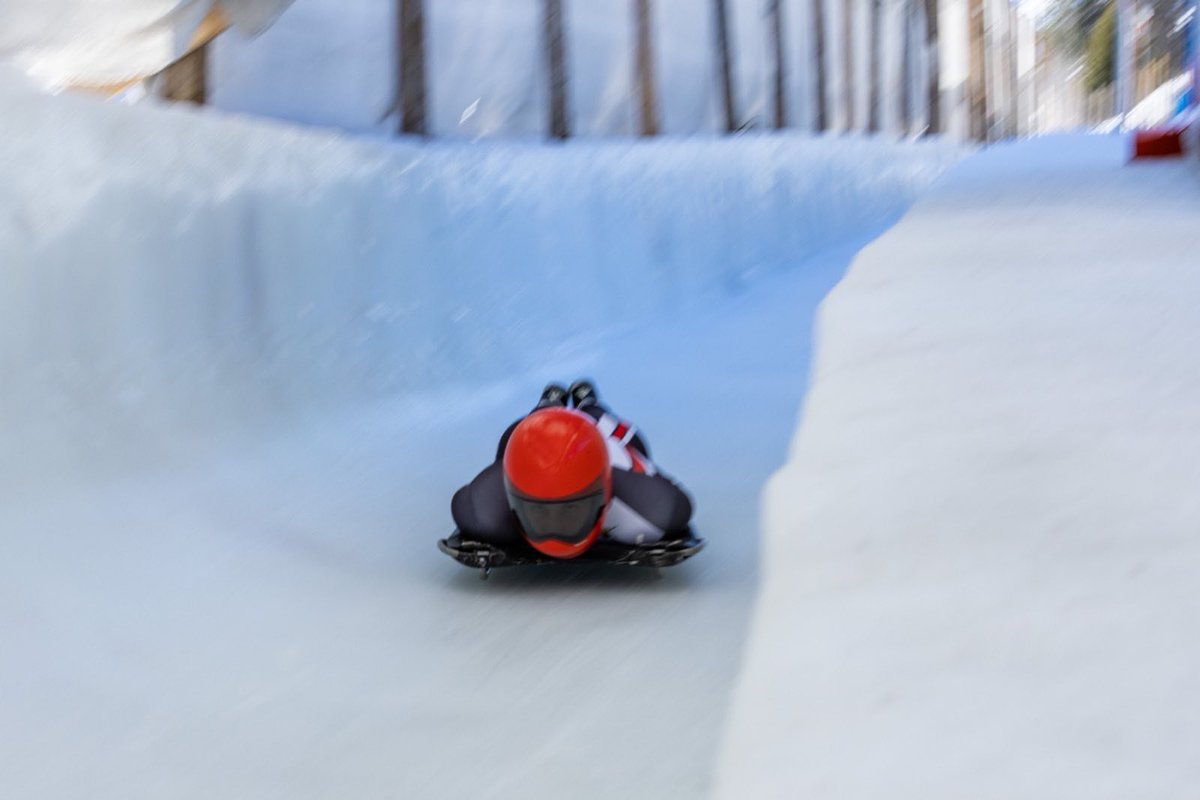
x,y
558,480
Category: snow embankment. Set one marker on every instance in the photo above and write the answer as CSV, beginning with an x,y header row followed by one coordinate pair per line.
x,y
980,561
169,271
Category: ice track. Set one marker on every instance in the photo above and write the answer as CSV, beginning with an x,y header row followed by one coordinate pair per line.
x,y
245,368
279,623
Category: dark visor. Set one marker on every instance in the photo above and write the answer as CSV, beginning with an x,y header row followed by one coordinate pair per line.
x,y
568,520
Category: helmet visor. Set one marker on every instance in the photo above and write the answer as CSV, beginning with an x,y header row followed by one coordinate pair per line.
x,y
569,520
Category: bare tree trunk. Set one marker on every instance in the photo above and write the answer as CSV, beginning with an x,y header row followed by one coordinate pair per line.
x,y
1010,70
978,71
186,80
906,68
725,64
647,90
848,60
557,68
875,8
1194,33
933,46
818,9
411,39
997,42
990,83
1123,60
779,79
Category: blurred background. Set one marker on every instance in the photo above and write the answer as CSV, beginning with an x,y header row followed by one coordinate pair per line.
x,y
976,69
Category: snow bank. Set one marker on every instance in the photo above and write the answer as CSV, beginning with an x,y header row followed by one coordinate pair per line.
x,y
1157,108
167,269
980,561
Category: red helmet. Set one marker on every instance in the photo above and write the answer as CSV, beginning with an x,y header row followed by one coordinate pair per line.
x,y
559,480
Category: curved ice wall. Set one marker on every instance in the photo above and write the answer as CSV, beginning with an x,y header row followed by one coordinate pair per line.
x,y
169,271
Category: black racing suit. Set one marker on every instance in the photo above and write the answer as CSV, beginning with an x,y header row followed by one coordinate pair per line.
x,y
646,505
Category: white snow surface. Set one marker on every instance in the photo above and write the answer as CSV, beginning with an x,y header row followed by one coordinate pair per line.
x,y
245,368
980,560
1157,108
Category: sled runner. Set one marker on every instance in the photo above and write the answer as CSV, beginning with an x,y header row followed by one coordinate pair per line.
x,y
485,557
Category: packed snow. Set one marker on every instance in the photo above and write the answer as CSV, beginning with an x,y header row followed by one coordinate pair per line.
x,y
980,559
246,366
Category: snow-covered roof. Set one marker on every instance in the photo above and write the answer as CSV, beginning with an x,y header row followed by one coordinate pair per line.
x,y
110,42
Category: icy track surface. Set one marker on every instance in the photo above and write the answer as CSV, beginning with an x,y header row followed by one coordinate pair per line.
x,y
279,624
244,370
982,556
